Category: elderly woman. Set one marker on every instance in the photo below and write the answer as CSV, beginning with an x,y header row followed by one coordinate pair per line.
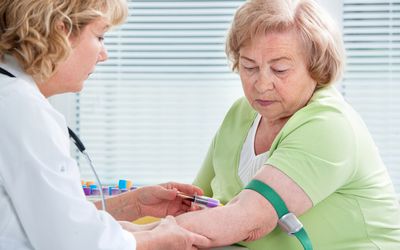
x,y
293,143
49,47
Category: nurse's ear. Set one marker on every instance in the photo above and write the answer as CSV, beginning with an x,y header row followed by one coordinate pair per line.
x,y
66,28
63,27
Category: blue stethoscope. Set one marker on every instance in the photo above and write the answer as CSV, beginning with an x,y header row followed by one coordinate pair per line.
x,y
80,147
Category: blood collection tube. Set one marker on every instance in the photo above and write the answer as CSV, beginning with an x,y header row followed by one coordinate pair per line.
x,y
202,201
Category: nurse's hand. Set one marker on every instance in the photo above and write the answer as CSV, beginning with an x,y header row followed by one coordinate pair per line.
x,y
162,200
169,236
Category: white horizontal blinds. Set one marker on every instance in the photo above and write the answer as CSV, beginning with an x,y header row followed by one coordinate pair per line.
x,y
149,113
372,81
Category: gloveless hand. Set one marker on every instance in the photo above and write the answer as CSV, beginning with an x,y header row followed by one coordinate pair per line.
x,y
162,200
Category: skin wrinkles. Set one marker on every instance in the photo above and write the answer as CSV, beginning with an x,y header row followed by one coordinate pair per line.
x,y
273,68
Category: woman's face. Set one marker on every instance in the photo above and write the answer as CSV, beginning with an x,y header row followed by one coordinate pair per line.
x,y
87,50
274,75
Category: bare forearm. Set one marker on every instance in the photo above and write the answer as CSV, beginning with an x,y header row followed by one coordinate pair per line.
x,y
144,240
249,216
243,219
222,225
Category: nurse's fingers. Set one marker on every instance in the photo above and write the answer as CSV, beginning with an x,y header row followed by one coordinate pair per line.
x,y
185,188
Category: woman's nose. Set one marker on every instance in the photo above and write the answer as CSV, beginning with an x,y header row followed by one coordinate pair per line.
x,y
264,82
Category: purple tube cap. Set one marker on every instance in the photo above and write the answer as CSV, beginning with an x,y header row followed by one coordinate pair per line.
x,y
95,191
114,191
87,191
212,202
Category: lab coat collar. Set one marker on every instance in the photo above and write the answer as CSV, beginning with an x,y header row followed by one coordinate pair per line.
x,y
11,64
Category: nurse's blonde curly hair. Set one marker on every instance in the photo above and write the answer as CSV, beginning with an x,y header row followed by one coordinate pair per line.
x,y
36,32
319,34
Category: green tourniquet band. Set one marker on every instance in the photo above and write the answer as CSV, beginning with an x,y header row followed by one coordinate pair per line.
x,y
280,208
270,195
304,239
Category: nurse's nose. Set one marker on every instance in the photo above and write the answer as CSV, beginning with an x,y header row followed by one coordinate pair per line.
x,y
103,56
264,81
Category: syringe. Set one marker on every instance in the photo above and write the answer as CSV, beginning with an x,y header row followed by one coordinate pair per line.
x,y
202,201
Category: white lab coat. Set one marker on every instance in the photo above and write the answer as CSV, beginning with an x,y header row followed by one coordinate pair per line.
x,y
42,205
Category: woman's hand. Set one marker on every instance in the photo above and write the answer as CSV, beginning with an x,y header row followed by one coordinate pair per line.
x,y
162,200
169,236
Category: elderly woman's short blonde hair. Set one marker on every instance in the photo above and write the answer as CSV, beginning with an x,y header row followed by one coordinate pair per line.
x,y
320,36
36,32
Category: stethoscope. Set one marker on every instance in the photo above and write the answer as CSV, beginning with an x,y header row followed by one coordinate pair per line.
x,y
78,143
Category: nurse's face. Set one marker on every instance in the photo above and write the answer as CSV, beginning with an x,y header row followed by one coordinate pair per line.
x,y
87,50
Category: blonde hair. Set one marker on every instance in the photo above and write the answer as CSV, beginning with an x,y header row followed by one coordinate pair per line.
x,y
321,38
33,32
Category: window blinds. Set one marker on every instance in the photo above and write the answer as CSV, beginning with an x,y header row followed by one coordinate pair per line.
x,y
371,32
149,113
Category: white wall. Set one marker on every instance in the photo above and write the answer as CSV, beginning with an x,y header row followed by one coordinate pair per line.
x,y
65,104
334,8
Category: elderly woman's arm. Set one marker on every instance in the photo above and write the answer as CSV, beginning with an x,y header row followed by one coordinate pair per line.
x,y
249,216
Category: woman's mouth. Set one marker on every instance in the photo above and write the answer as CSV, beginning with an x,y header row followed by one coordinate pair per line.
x,y
264,103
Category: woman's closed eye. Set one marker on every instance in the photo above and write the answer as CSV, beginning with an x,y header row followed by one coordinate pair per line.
x,y
249,68
279,71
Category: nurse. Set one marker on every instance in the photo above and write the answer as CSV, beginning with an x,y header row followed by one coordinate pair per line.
x,y
49,47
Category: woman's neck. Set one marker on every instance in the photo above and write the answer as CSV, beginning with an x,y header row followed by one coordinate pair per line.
x,y
266,133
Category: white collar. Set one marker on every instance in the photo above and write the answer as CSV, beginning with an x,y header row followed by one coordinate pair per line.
x,y
11,64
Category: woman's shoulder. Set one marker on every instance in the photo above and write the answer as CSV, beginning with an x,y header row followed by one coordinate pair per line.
x,y
239,115
327,99
327,117
237,120
326,105
241,107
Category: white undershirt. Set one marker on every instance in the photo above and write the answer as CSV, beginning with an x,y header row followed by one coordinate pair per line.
x,y
250,163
